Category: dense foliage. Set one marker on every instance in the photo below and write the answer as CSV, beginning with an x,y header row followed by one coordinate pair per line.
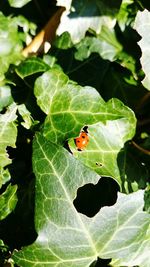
x,y
68,68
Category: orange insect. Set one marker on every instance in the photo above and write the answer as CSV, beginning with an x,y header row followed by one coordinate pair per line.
x,y
83,139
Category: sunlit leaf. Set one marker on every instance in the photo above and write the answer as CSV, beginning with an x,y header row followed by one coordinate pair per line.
x,y
5,96
142,25
26,116
68,238
105,44
10,43
105,143
70,106
18,3
125,15
8,134
147,199
86,15
4,176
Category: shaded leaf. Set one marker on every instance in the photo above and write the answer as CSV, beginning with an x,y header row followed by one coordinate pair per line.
x,y
119,83
3,252
68,238
8,201
31,66
133,172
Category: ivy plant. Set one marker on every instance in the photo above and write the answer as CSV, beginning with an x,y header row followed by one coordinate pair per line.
x,y
84,76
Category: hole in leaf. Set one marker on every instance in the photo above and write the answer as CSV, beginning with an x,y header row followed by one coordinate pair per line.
x,y
91,198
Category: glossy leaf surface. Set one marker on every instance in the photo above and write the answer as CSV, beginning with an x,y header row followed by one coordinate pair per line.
x,y
142,25
8,133
68,238
70,107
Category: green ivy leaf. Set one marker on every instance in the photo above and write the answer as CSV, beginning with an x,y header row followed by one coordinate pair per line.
x,y
105,143
133,172
140,258
18,3
142,25
8,134
86,15
70,106
26,116
63,41
46,87
5,97
105,44
147,199
10,43
4,176
31,66
125,15
8,201
68,238
2,245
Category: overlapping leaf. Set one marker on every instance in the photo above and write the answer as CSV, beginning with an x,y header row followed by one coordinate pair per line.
x,y
31,66
86,15
8,201
18,3
10,43
105,143
4,176
26,116
105,44
8,134
70,106
142,25
125,15
67,238
5,97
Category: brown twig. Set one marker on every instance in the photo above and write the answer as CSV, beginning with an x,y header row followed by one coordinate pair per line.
x,y
145,151
46,35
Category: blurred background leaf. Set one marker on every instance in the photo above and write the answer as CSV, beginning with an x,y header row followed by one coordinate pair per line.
x,y
18,3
